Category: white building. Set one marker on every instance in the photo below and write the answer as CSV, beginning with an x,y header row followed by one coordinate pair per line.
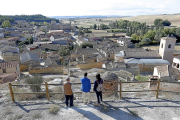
x,y
167,47
166,72
176,62
123,41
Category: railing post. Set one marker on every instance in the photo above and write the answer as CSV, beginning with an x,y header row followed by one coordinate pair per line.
x,y
11,91
47,91
157,92
120,95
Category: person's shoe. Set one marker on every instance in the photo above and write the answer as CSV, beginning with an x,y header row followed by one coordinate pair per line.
x,y
71,105
98,104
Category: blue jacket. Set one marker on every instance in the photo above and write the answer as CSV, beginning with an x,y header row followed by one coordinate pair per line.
x,y
86,84
96,84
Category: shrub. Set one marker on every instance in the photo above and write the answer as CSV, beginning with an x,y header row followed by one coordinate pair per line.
x,y
18,116
84,45
154,42
8,111
53,109
141,78
35,80
37,116
145,41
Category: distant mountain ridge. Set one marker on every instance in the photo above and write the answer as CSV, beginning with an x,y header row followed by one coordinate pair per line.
x,y
87,16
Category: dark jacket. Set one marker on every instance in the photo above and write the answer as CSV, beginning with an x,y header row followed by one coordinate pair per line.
x,y
96,84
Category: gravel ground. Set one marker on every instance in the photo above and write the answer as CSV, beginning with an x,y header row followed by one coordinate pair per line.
x,y
129,108
133,106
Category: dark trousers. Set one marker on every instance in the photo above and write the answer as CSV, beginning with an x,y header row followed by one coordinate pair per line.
x,y
99,94
67,99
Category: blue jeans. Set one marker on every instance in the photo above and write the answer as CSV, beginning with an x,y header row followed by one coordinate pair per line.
x,y
67,99
99,94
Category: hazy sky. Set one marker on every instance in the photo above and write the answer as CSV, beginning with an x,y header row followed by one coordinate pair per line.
x,y
89,7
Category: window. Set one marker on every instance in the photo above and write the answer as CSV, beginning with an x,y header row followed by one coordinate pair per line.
x,y
162,45
169,46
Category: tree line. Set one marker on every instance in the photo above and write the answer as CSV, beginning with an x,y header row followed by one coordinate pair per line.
x,y
28,18
5,18
99,27
83,30
144,33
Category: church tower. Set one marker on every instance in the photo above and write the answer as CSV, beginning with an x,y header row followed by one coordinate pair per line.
x,y
166,48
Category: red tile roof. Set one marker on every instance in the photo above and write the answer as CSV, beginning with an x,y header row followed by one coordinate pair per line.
x,y
9,78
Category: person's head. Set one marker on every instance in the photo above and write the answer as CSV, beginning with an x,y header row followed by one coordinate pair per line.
x,y
67,79
85,74
98,76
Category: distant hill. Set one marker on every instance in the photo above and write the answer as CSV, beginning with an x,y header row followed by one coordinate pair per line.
x,y
88,16
149,19
30,18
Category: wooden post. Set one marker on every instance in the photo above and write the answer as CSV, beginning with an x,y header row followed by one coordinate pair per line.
x,y
157,92
120,96
11,91
47,91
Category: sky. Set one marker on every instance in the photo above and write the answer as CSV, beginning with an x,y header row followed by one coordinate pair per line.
x,y
89,7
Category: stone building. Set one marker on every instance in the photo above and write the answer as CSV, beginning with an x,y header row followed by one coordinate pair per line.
x,y
123,41
110,77
60,26
176,62
9,67
166,73
28,60
9,53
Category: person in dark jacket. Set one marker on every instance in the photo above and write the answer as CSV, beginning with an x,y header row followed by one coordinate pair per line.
x,y
96,83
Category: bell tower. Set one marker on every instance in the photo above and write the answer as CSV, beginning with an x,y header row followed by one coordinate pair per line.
x,y
166,48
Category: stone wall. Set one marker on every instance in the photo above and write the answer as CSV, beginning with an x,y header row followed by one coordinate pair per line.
x,y
90,65
9,70
110,87
46,70
89,61
148,68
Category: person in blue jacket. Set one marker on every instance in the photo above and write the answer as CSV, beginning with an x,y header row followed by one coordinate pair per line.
x,y
98,81
85,88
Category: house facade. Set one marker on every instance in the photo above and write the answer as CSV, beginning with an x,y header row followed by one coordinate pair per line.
x,y
123,41
166,73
